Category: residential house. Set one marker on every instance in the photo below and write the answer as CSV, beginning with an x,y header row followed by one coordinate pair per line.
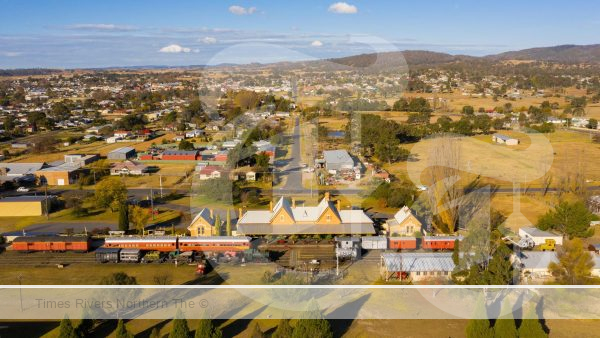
x,y
404,223
210,172
503,139
203,224
129,168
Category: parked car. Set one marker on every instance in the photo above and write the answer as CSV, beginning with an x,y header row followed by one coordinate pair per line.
x,y
22,189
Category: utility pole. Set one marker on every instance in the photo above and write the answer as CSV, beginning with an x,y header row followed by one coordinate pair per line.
x,y
161,186
20,277
46,201
152,202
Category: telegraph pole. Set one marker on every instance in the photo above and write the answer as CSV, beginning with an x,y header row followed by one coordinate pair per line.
x,y
161,186
152,202
20,277
46,201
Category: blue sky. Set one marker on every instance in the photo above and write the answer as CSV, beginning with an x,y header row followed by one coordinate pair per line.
x,y
72,34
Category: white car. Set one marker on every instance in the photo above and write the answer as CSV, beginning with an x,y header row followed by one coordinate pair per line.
x,y
22,189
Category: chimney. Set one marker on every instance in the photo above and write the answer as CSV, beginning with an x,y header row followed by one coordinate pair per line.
x,y
326,196
293,202
212,213
339,205
271,206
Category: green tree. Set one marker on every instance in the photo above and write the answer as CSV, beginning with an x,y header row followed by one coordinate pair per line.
x,y
186,145
262,161
66,329
574,265
110,193
283,330
155,333
180,327
312,324
207,329
123,217
118,278
121,331
468,110
139,217
228,223
572,219
505,326
218,225
257,332
531,327
592,124
479,328
455,252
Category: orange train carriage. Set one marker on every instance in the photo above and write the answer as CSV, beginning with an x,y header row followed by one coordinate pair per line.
x,y
439,242
183,244
51,243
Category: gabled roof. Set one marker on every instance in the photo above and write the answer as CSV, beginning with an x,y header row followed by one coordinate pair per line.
x,y
403,214
282,204
204,214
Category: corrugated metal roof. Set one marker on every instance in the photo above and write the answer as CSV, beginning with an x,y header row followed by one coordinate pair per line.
x,y
21,169
123,150
535,232
537,259
50,239
409,262
305,229
337,156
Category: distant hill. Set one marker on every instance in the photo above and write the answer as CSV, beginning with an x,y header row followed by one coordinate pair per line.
x,y
563,54
395,59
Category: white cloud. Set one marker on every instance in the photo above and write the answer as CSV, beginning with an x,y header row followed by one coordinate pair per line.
x,y
343,8
101,27
10,54
316,43
239,10
175,49
209,40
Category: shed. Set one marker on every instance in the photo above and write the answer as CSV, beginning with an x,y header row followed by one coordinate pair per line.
x,y
23,206
504,139
539,236
123,153
338,160
107,255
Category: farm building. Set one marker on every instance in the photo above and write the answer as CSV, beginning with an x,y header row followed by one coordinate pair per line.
x,y
123,153
503,139
404,223
23,206
64,174
416,266
337,160
203,224
288,219
81,159
538,236
180,155
129,168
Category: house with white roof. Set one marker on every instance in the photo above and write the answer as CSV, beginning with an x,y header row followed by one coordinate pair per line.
x,y
287,218
417,266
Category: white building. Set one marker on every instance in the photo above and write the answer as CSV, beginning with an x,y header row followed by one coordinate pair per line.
x,y
539,236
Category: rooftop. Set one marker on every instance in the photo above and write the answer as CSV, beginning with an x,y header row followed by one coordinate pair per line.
x,y
413,261
337,156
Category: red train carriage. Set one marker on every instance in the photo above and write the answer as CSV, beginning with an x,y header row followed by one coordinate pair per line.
x,y
439,242
214,244
149,243
403,243
51,243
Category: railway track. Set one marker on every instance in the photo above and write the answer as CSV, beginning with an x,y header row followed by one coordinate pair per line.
x,y
45,258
